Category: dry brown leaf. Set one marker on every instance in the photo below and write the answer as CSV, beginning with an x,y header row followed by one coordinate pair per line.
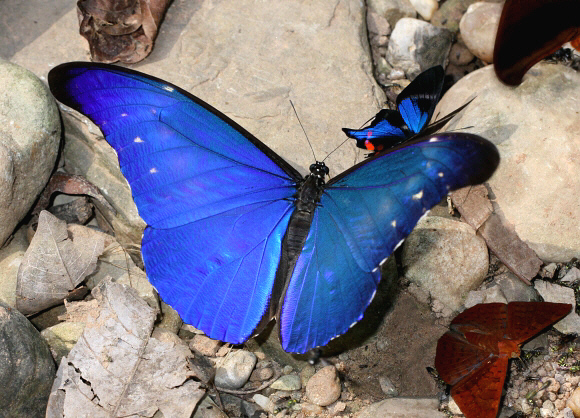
x,y
118,369
57,260
120,30
501,238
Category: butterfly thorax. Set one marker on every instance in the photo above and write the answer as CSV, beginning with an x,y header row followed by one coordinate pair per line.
x,y
307,198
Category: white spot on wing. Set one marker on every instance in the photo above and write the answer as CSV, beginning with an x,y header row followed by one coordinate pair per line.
x,y
418,196
434,139
153,170
124,115
168,88
138,139
394,223
440,174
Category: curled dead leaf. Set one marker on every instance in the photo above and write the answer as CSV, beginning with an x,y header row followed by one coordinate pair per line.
x,y
56,262
120,30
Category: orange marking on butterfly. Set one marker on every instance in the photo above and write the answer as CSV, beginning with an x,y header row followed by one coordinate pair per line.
x,y
369,145
473,355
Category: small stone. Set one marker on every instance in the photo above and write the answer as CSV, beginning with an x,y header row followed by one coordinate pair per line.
x,y
425,8
571,276
235,369
574,402
288,382
460,55
566,413
478,27
324,387
377,24
62,337
337,407
287,369
388,387
204,345
262,374
311,410
224,350
549,270
306,373
264,402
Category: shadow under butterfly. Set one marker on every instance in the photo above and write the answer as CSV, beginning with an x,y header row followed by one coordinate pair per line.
x,y
415,107
473,355
236,236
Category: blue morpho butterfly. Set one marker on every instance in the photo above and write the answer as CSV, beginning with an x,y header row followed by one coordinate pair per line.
x,y
415,104
236,236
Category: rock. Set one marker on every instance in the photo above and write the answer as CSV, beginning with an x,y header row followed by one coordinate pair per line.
x,y
551,292
10,259
478,27
425,8
445,258
170,319
392,10
451,12
288,382
569,412
388,387
537,144
377,24
571,276
402,408
324,387
416,45
264,402
306,373
29,141
460,55
62,337
27,368
204,345
311,410
235,370
261,374
505,288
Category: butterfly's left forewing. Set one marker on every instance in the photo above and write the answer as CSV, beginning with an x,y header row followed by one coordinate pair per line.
x,y
363,215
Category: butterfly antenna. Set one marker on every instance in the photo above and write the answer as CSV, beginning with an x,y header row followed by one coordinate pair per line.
x,y
339,145
303,130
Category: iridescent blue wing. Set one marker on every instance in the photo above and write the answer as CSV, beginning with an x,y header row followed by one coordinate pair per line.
x,y
385,131
417,101
364,214
217,200
415,104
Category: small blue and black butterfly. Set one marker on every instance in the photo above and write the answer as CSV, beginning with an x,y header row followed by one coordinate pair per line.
x,y
415,104
236,236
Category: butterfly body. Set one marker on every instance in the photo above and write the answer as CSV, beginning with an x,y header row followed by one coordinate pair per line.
x,y
473,355
236,236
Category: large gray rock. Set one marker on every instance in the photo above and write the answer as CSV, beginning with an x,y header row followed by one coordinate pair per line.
x,y
246,60
29,139
536,129
446,258
26,366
